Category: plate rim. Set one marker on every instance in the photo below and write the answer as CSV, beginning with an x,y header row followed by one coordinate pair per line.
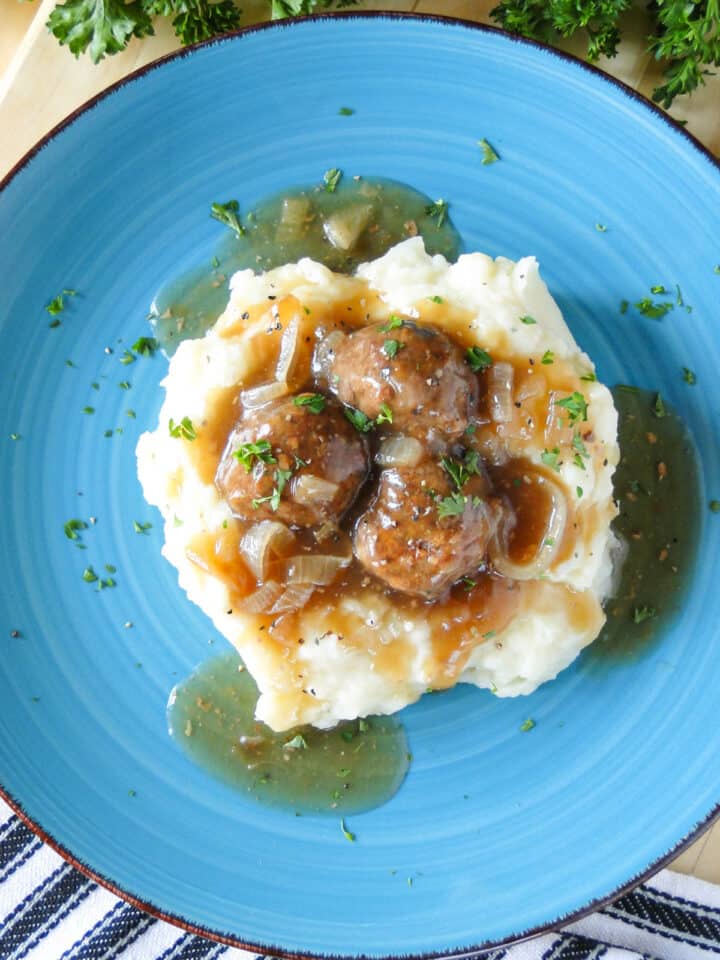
x,y
230,939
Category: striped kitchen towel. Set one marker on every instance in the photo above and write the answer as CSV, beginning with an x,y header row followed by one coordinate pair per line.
x,y
51,911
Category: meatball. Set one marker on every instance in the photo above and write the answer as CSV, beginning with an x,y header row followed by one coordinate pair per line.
x,y
285,461
424,531
417,371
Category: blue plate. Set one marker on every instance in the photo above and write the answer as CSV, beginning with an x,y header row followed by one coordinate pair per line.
x,y
495,832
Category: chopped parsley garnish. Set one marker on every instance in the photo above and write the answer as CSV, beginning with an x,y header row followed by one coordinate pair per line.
x,y
347,833
385,415
714,506
246,453
346,111
469,583
124,385
716,268
437,211
580,449
589,377
281,479
214,263
140,528
394,323
15,436
550,458
361,422
689,376
488,154
89,575
298,742
315,402
575,405
652,309
88,410
391,347
600,227
228,213
127,357
624,304
640,614
658,289
526,725
57,304
659,407
436,299
183,430
331,179
72,528
548,357
579,492
460,472
145,346
451,506
528,320
478,359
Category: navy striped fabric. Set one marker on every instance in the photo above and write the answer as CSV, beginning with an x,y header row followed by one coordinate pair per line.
x,y
51,911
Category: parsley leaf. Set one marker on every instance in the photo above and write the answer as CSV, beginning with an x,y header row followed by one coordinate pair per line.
x,y
99,26
478,359
183,430
640,614
488,154
391,347
72,527
394,322
659,407
550,458
385,415
145,346
654,310
548,357
575,405
361,422
451,506
527,320
331,179
689,376
228,213
315,402
57,304
437,211
246,453
346,111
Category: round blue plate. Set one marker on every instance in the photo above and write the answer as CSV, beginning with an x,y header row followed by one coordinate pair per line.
x,y
496,832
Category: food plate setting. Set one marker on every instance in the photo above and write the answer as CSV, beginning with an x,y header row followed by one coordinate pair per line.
x,y
516,813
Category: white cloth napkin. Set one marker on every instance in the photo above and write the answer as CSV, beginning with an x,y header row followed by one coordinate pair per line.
x,y
51,911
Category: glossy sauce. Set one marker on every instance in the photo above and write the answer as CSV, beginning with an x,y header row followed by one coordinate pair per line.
x,y
657,487
474,610
189,305
355,766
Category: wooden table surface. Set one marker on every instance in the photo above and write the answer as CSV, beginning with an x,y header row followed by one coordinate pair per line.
x,y
40,83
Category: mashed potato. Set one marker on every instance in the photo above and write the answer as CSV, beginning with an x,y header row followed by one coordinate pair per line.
x,y
543,419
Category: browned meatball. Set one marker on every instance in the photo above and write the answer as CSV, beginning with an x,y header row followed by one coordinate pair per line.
x,y
417,371
423,532
285,462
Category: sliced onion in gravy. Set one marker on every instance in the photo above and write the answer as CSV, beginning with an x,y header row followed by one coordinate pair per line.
x,y
263,542
259,396
547,543
309,489
316,568
288,350
399,452
264,598
500,392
